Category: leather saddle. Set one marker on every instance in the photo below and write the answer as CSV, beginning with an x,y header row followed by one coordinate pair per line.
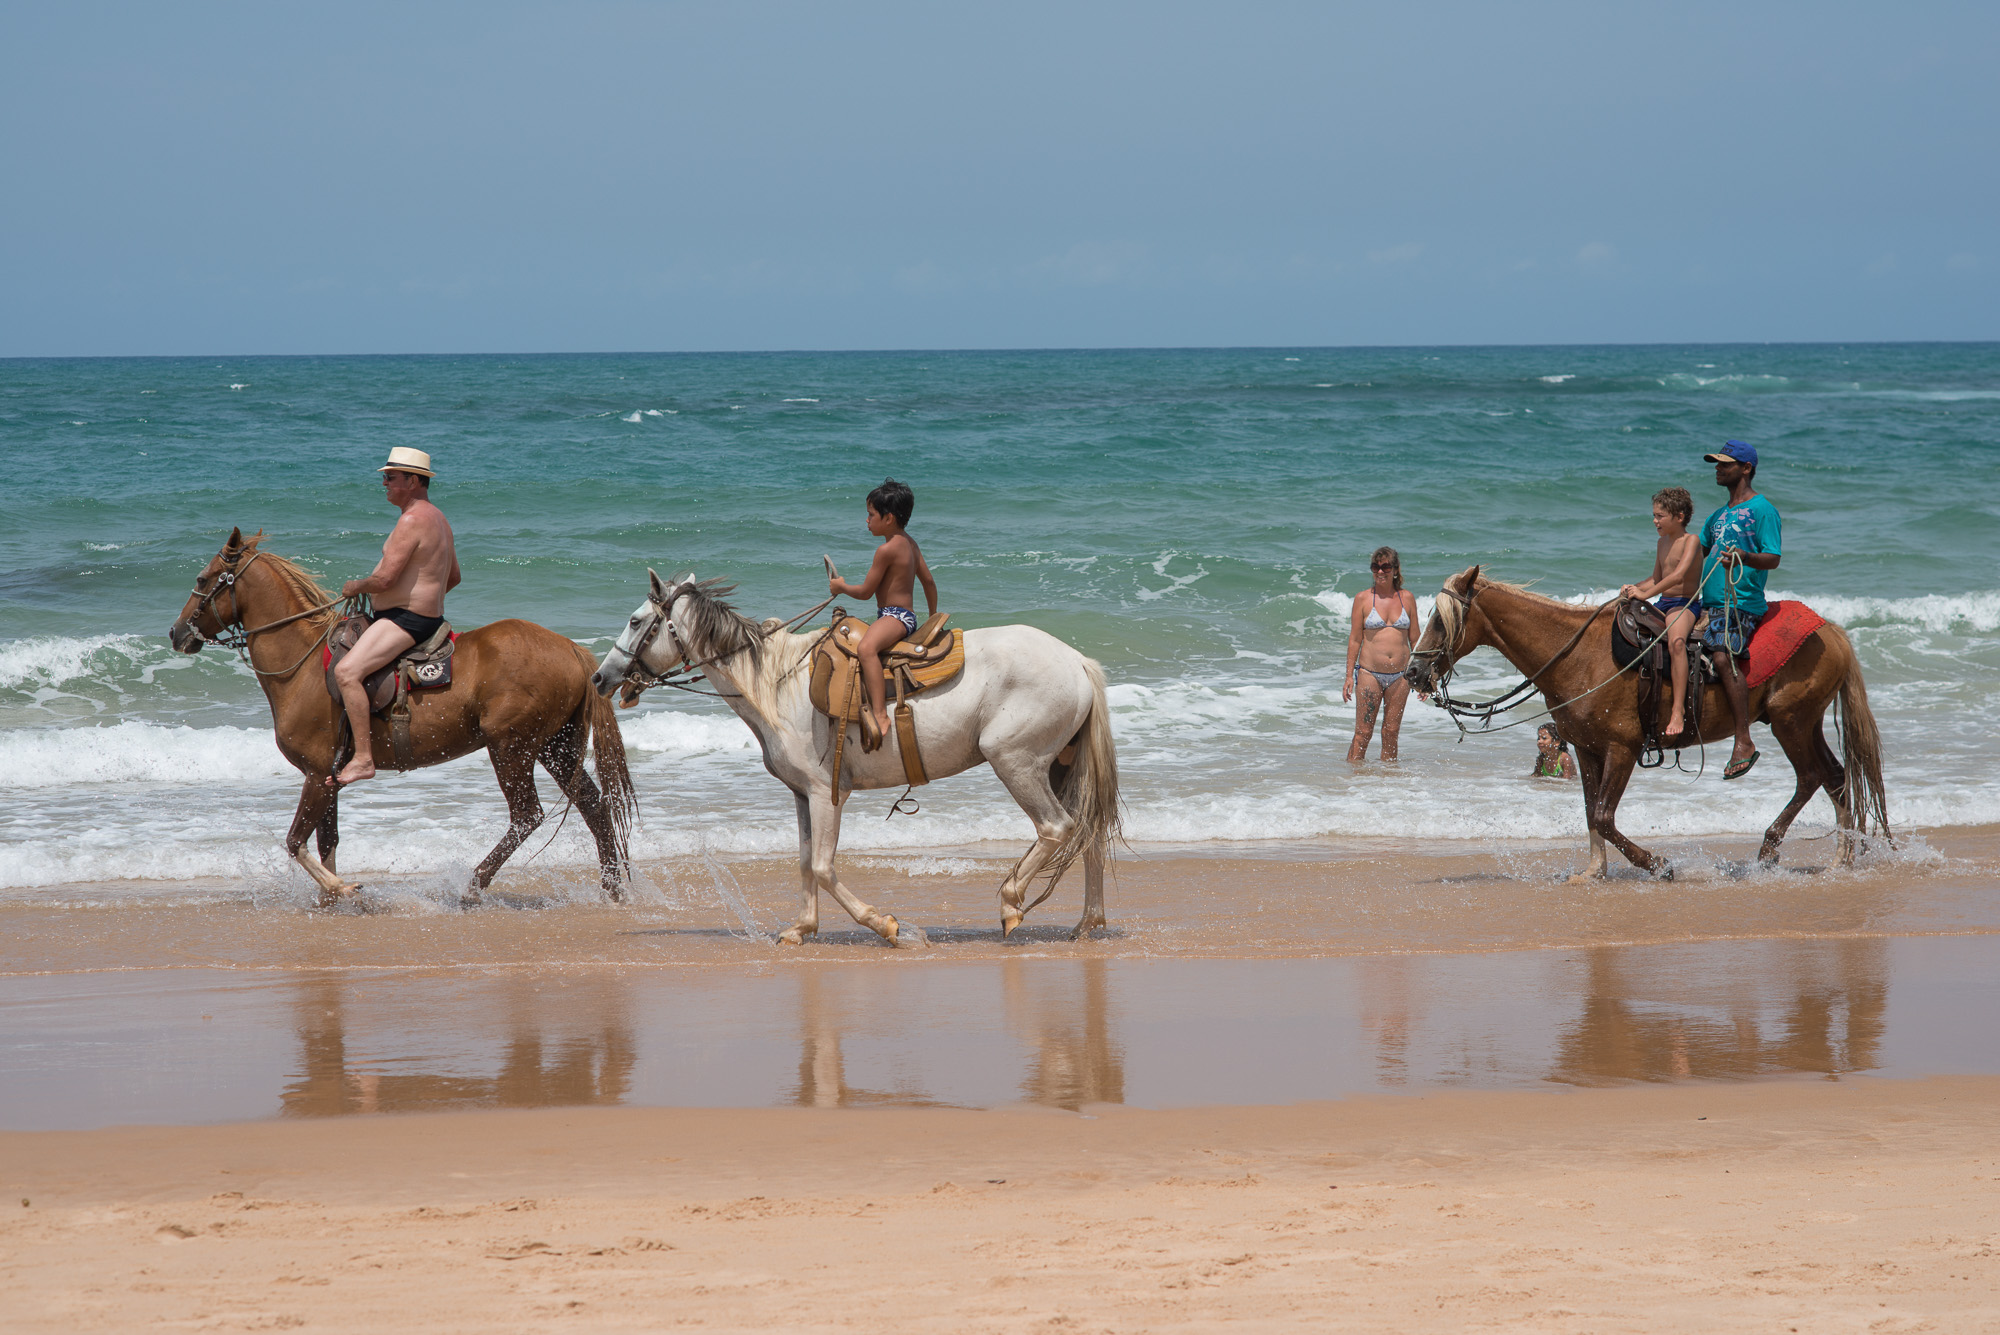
x,y
422,667
1638,631
930,656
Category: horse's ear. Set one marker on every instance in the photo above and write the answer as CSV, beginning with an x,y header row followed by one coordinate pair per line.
x,y
659,589
235,540
1472,579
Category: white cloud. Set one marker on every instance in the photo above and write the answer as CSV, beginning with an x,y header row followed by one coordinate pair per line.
x,y
1402,254
1597,257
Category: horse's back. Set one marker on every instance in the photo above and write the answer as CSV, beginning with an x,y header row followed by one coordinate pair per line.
x,y
522,654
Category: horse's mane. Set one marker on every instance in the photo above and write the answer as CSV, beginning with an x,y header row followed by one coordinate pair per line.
x,y
717,624
1451,612
291,574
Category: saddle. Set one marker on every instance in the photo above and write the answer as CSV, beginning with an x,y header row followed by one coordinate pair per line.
x,y
928,657
1637,631
422,667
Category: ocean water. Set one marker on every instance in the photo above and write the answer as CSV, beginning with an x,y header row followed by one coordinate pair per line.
x,y
1197,520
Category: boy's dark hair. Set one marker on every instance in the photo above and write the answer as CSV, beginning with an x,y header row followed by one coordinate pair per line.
x,y
893,499
1675,501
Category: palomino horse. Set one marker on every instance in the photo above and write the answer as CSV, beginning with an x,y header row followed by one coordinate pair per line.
x,y
1566,650
1023,699
518,690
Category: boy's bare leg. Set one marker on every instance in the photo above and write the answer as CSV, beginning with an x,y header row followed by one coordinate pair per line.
x,y
874,644
1678,626
379,645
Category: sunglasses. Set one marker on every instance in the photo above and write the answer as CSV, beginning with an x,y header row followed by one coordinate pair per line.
x,y
1374,567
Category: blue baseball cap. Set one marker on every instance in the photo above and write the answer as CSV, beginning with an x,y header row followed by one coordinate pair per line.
x,y
1733,452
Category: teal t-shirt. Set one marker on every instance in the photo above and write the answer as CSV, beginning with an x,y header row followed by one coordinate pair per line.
x,y
1750,527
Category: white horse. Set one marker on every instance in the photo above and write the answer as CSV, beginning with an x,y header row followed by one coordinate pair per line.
x,y
1027,704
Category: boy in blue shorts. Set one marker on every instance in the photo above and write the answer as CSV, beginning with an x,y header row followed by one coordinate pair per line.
x,y
1675,588
892,581
1739,548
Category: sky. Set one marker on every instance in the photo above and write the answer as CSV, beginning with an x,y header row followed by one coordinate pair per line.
x,y
203,178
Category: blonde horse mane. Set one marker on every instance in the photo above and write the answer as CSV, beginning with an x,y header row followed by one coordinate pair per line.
x,y
296,579
1451,612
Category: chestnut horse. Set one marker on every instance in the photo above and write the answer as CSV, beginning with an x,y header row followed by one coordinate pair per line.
x,y
521,691
1567,649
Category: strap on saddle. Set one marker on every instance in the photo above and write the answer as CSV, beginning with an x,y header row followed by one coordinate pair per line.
x,y
930,657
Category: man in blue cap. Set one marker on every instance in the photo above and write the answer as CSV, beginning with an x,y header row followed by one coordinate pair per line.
x,y
1739,548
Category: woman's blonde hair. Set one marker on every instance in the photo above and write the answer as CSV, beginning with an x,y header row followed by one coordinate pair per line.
x,y
1388,554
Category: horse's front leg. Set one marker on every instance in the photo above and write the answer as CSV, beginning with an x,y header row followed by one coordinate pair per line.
x,y
1614,773
316,814
825,842
1589,768
808,921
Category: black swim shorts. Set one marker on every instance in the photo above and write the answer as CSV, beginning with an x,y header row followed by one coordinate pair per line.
x,y
414,624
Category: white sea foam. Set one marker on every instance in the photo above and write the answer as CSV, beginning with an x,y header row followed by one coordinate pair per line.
x,y
1557,379
632,416
239,386
52,660
1933,395
136,752
801,400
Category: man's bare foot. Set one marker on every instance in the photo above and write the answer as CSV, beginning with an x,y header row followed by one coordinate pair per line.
x,y
359,768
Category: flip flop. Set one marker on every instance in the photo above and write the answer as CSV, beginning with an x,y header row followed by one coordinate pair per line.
x,y
1736,769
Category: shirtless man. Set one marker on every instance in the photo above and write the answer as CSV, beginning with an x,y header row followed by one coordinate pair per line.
x,y
419,566
892,583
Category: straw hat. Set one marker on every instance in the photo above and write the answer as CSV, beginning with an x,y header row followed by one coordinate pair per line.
x,y
403,459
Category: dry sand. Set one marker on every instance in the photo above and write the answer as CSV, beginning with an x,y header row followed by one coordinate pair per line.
x,y
1812,1206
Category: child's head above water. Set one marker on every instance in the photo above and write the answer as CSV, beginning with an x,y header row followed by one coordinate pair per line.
x,y
893,500
1548,738
1674,502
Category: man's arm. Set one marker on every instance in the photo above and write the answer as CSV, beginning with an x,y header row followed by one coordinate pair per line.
x,y
452,580
396,554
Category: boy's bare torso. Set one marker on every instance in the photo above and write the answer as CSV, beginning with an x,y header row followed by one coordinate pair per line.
x,y
896,560
1665,555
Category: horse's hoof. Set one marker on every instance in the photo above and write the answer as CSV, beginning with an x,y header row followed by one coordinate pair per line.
x,y
1008,922
791,936
1084,929
1581,878
905,935
1663,870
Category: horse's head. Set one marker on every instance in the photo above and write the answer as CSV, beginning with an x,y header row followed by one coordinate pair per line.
x,y
1450,635
643,655
214,607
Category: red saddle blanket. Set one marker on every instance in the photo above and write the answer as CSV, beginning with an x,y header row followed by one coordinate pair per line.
x,y
1785,627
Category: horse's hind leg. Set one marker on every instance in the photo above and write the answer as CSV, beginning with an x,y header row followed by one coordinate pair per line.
x,y
1835,782
563,758
516,774
1812,775
1093,891
315,815
1030,787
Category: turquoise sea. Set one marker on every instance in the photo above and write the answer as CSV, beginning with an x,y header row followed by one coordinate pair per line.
x,y
1197,520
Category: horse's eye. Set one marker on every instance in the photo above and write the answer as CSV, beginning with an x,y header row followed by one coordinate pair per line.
x,y
635,622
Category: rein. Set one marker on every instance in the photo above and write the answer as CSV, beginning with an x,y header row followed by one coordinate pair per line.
x,y
674,677
240,642
1484,711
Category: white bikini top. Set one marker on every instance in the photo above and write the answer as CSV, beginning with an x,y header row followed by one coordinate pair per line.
x,y
1374,619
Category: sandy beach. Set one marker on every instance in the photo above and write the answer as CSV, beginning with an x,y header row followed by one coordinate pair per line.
x,y
1790,1206
1352,1088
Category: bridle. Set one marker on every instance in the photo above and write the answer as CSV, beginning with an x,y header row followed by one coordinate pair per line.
x,y
636,671
1484,711
226,578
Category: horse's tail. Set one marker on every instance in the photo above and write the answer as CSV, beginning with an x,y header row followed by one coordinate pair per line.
x,y
1089,790
614,776
1860,745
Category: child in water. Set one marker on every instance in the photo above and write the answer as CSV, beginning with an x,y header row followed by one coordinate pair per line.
x,y
1552,757
1675,586
892,580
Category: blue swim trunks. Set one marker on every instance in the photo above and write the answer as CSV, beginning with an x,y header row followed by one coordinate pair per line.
x,y
1668,603
1729,630
902,614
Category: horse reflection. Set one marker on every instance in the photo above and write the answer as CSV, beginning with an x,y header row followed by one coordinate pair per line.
x,y
1061,1013
1641,1021
593,1067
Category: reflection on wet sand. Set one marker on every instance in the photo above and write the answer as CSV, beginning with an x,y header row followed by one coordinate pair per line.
x,y
1817,1007
1056,1014
534,1072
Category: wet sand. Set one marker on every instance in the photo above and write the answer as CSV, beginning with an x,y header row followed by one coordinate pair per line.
x,y
630,1117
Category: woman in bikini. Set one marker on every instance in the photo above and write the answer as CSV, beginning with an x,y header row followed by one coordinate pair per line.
x,y
1379,641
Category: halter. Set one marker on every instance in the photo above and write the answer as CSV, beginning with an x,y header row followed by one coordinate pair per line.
x,y
1484,711
662,619
226,579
